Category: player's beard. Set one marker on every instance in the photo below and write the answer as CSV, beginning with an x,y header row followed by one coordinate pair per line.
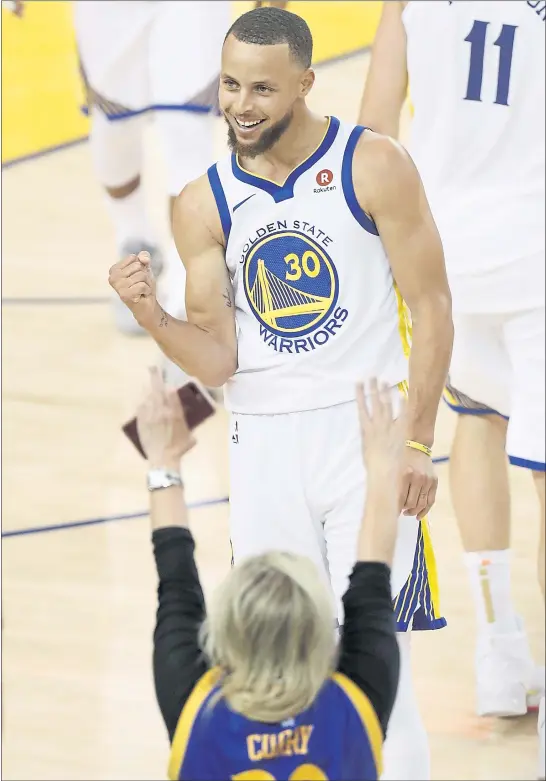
x,y
267,140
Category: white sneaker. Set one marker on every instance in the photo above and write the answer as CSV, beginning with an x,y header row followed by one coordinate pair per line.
x,y
508,682
541,752
123,317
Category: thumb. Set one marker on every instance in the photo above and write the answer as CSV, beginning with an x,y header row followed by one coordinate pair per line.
x,y
145,258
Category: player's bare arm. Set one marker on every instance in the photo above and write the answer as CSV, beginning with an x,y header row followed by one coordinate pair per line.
x,y
386,84
389,188
206,345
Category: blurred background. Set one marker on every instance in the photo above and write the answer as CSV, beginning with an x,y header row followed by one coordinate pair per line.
x,y
41,85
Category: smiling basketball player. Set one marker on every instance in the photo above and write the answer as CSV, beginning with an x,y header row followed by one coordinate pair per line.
x,y
291,247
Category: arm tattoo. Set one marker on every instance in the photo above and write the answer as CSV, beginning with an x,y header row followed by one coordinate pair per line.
x,y
164,321
227,297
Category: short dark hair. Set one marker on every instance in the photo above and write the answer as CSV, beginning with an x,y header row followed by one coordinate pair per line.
x,y
267,26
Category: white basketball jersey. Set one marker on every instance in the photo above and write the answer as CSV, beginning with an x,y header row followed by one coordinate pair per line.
x,y
476,81
315,302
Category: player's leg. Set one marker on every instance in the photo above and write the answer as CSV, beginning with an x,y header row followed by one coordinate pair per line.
x,y
525,341
112,42
185,46
116,152
480,383
117,156
526,441
480,495
187,141
268,507
184,80
406,753
335,480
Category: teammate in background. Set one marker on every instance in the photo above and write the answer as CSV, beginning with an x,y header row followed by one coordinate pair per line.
x,y
141,57
140,60
134,67
290,247
476,77
281,700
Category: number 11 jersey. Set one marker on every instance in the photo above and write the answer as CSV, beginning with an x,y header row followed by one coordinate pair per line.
x,y
476,83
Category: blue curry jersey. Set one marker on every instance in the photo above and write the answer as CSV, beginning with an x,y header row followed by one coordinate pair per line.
x,y
338,737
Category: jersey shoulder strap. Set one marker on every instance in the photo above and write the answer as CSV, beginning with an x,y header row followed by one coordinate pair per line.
x,y
194,704
367,715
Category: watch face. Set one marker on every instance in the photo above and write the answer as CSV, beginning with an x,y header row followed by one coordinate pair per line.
x,y
160,478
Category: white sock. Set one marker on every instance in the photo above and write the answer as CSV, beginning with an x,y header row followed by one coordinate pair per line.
x,y
489,573
130,218
406,754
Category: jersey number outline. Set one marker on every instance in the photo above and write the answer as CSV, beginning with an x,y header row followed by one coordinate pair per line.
x,y
296,264
301,773
505,41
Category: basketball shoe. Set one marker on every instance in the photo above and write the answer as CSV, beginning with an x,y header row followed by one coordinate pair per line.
x,y
508,682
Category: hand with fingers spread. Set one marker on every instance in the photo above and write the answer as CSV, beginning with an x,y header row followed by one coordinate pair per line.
x,y
162,426
382,431
133,280
383,438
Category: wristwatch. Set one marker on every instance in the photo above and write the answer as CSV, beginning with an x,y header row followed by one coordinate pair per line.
x,y
163,478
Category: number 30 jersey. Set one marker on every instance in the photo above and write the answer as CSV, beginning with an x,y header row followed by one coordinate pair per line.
x,y
316,306
476,83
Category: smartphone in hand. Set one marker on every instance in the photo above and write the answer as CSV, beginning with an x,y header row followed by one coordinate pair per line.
x,y
196,403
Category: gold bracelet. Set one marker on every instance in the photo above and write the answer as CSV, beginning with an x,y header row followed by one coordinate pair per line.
x,y
418,446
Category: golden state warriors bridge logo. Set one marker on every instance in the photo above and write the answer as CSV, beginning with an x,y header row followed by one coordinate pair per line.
x,y
292,287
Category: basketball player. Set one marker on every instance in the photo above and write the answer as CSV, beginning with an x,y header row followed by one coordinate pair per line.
x,y
476,76
281,701
290,247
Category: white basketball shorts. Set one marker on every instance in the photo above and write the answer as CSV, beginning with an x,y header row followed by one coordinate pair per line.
x,y
150,54
298,484
498,365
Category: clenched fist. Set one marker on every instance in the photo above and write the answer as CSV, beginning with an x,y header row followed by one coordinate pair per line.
x,y
133,280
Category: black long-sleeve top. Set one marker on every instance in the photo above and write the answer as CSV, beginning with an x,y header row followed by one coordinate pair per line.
x,y
368,654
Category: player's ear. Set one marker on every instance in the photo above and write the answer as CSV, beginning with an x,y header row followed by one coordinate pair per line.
x,y
307,81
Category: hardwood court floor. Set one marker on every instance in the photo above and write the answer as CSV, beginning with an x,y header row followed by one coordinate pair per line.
x,y
79,602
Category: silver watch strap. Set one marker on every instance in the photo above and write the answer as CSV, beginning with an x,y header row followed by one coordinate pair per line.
x,y
163,478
